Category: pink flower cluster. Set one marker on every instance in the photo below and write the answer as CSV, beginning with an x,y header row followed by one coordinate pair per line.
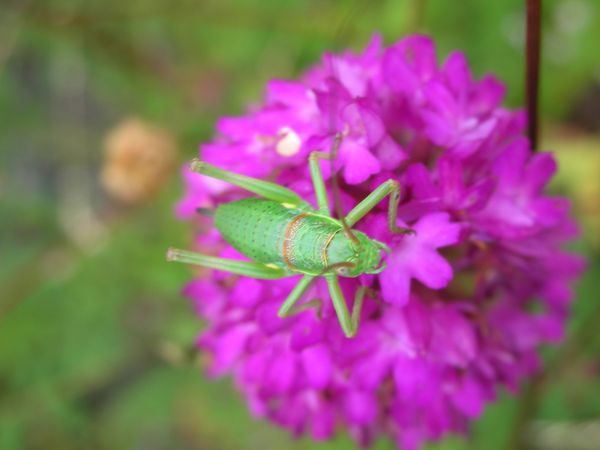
x,y
463,305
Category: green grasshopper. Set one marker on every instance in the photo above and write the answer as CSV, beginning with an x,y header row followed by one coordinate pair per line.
x,y
285,236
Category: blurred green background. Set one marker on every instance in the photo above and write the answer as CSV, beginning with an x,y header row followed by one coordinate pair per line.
x,y
96,343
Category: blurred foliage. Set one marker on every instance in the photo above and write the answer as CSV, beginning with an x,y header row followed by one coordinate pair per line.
x,y
96,345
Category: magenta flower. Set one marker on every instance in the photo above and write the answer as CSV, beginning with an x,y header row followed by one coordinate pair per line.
x,y
450,320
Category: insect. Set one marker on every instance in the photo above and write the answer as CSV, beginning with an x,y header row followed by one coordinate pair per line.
x,y
286,236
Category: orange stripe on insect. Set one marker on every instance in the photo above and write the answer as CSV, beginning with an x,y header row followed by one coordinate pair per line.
x,y
325,247
290,232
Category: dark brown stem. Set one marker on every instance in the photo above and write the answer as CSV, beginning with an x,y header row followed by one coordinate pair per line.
x,y
532,70
530,396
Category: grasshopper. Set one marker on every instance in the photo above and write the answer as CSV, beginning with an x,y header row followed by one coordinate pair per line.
x,y
284,235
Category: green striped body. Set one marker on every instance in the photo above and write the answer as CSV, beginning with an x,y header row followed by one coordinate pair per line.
x,y
272,233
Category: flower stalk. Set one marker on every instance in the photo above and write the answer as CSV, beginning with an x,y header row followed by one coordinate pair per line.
x,y
532,69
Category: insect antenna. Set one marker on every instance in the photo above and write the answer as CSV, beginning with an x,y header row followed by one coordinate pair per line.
x,y
335,189
338,137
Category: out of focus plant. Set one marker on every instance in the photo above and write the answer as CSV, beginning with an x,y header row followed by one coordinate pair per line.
x,y
139,158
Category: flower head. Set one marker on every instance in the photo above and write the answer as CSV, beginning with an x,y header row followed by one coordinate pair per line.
x,y
450,319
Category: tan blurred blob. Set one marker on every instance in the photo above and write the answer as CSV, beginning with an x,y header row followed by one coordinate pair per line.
x,y
139,158
563,435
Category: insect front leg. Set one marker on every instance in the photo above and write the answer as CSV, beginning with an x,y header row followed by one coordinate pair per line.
x,y
287,309
318,182
316,304
390,187
349,322
266,189
317,175
249,269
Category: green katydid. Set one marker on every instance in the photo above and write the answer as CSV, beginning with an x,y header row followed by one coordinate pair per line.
x,y
286,236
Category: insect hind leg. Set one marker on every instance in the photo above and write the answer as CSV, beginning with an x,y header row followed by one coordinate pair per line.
x,y
266,189
247,268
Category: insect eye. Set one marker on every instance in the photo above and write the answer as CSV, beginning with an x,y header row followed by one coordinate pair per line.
x,y
345,268
343,271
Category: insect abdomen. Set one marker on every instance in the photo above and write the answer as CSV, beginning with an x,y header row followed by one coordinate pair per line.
x,y
254,227
268,232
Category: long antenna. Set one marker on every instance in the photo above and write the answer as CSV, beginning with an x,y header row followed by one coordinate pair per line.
x,y
337,140
335,188
532,69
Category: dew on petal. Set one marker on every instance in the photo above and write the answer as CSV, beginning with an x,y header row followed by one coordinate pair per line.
x,y
289,142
